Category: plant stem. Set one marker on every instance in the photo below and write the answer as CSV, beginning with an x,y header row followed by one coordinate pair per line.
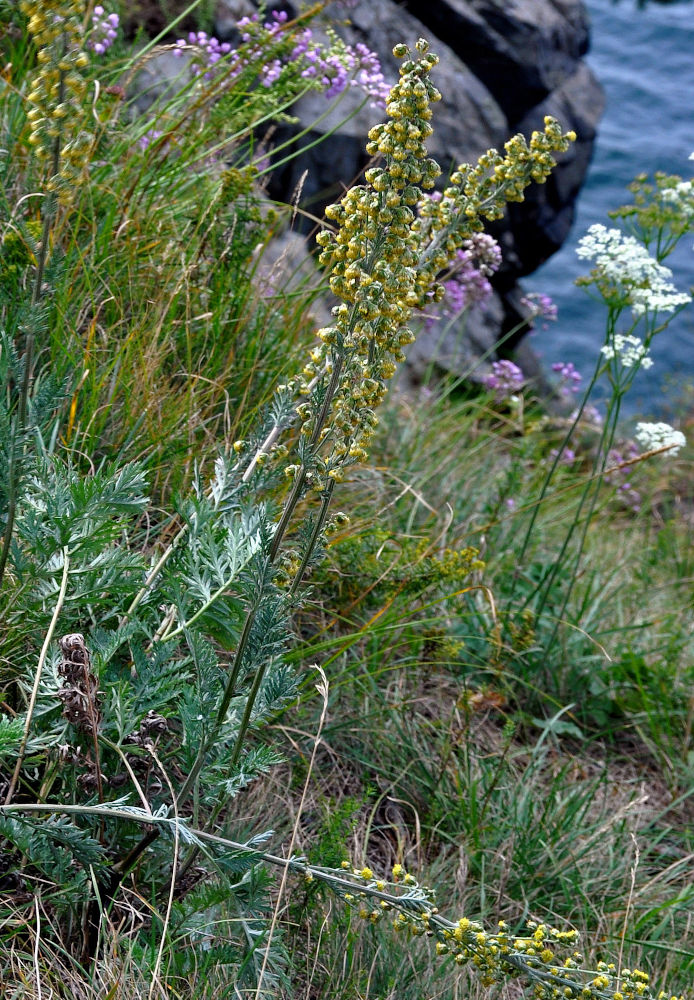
x,y
37,678
315,535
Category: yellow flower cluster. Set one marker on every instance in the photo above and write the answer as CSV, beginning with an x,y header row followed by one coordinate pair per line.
x,y
56,98
481,192
535,956
390,243
373,258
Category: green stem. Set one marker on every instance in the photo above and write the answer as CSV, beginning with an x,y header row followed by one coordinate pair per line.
x,y
593,487
315,535
407,903
37,679
297,489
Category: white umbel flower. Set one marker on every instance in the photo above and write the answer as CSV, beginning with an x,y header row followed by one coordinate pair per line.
x,y
654,436
623,264
629,349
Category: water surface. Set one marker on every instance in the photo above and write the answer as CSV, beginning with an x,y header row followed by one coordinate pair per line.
x,y
644,58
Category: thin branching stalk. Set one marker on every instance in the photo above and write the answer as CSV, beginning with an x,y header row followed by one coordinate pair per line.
x,y
315,536
413,907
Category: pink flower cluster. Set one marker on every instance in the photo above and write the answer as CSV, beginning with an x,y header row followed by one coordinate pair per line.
x,y
541,307
468,281
504,380
355,66
333,69
570,378
103,31
209,50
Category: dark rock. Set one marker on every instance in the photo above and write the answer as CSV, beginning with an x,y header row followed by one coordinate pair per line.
x,y
227,15
541,223
464,348
520,49
152,17
161,76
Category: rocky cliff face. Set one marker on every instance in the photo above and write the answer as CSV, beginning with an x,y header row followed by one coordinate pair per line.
x,y
505,64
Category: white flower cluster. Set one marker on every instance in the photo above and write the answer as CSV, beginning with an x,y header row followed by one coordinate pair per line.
x,y
680,196
654,436
624,263
630,351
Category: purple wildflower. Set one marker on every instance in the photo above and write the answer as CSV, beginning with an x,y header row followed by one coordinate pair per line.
x,y
504,380
591,414
103,30
270,73
540,307
355,66
624,489
570,378
208,50
148,137
332,69
568,455
468,281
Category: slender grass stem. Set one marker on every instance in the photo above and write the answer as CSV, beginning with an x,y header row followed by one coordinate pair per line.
x,y
37,677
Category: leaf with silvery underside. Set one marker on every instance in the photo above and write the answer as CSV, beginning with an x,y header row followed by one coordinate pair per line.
x,y
207,673
160,678
104,643
278,688
226,484
151,679
97,581
208,567
86,513
11,731
256,762
52,844
271,631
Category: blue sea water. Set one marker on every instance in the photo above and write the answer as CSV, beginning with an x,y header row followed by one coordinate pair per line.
x,y
644,58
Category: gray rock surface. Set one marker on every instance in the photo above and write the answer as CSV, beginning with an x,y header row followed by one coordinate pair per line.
x,y
521,50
